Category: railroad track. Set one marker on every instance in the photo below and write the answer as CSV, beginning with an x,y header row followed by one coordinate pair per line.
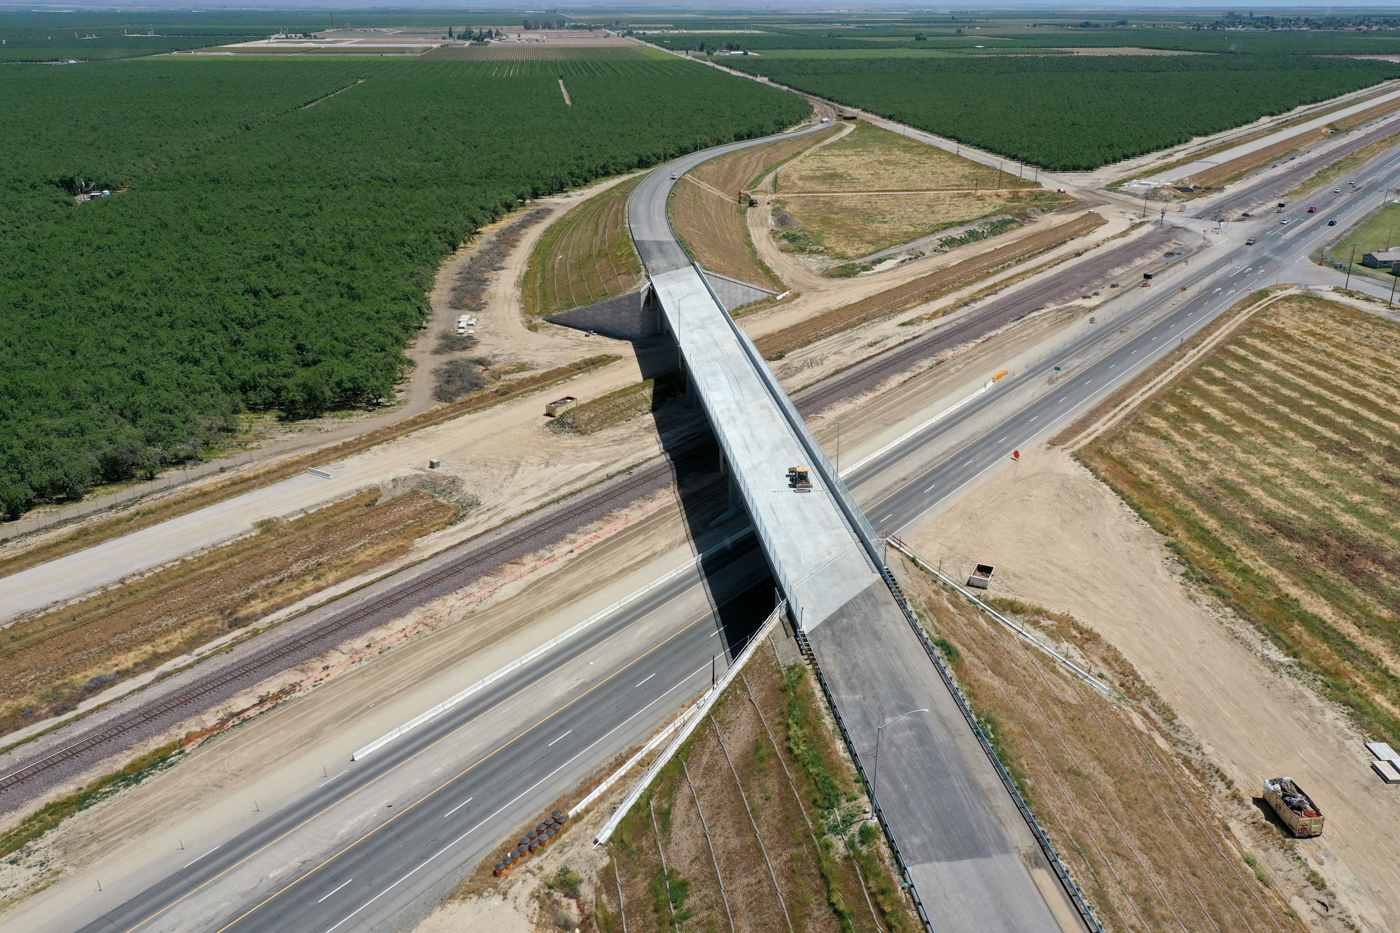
x,y
477,560
1281,185
863,377
481,559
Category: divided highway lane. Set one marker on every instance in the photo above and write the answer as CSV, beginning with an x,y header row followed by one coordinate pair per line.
x,y
390,867
386,838
903,489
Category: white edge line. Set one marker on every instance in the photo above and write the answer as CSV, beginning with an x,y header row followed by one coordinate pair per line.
x,y
524,659
197,858
690,719
512,802
904,437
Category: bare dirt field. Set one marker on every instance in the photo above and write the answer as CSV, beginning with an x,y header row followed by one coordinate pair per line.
x,y
1235,169
552,49
1128,50
1140,818
50,662
760,825
1060,539
443,646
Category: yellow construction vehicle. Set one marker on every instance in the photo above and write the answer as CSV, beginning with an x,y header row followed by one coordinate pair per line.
x,y
798,478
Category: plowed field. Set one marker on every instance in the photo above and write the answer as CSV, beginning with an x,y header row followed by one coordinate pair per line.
x,y
1273,466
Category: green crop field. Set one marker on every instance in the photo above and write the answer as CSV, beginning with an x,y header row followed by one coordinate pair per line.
x,y
996,37
260,253
1072,113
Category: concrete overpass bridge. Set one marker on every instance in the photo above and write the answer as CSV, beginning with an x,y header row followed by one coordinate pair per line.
x,y
972,853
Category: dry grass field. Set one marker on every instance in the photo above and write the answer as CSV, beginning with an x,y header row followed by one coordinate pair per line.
x,y
874,189
706,210
713,229
927,288
182,503
746,786
618,407
52,661
1273,466
872,159
585,256
854,226
1135,811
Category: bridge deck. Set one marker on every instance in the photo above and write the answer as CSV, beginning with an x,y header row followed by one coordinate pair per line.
x,y
972,859
819,562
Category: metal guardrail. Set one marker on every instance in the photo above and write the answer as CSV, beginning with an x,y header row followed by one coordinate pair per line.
x,y
952,584
864,778
691,719
875,549
1051,855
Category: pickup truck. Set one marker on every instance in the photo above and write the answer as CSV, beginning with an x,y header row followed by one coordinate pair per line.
x,y
1249,242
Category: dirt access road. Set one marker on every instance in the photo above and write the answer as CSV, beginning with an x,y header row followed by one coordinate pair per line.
x,y
502,337
504,455
1060,539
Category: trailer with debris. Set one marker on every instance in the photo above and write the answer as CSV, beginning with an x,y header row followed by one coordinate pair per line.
x,y
981,576
1294,807
557,407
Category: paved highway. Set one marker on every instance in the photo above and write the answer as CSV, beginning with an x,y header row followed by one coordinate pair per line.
x,y
386,838
401,825
902,486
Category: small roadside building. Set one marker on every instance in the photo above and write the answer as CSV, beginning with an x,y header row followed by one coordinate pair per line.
x,y
1382,259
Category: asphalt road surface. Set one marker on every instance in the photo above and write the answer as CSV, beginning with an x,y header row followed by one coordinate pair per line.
x,y
386,838
902,486
398,837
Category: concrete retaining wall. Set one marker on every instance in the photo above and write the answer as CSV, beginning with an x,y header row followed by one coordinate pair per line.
x,y
633,316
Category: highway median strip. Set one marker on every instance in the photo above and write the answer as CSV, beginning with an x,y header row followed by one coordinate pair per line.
x,y
529,656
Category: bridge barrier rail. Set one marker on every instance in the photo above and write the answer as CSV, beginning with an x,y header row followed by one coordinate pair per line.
x,y
760,529
872,542
875,807
1061,873
691,718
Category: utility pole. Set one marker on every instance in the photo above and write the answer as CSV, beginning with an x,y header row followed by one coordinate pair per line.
x,y
879,731
1347,286
1393,280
